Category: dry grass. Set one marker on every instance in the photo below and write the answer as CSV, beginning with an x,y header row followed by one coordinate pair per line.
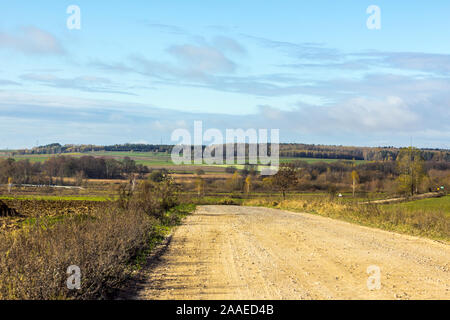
x,y
34,259
105,244
429,223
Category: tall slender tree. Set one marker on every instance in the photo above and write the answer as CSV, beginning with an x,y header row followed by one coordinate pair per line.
x,y
355,179
410,167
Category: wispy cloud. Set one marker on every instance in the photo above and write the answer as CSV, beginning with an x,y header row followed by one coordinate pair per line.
x,y
373,106
31,40
318,55
304,50
206,64
188,64
427,62
82,83
167,28
383,110
9,83
110,67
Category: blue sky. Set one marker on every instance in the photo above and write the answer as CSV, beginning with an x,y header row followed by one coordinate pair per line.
x,y
138,70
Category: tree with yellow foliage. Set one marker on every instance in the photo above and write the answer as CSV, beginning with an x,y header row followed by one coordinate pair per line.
x,y
10,183
235,182
355,180
410,166
248,184
200,183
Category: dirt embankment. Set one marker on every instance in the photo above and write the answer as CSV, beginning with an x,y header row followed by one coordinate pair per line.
x,y
227,252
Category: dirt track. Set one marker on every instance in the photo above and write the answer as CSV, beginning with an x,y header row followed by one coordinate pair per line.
x,y
227,252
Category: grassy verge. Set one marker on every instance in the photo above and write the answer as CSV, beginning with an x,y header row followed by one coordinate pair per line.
x,y
216,200
424,221
160,231
431,204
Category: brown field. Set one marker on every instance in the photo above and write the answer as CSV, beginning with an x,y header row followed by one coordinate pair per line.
x,y
30,210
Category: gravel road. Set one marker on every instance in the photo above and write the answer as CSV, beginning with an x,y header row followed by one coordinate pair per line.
x,y
229,252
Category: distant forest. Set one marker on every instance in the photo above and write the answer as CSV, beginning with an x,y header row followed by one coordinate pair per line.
x,y
291,150
56,168
56,148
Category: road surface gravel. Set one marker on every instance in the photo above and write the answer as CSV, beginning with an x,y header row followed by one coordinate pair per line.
x,y
232,252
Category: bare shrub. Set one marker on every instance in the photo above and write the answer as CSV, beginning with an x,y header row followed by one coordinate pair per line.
x,y
103,244
152,198
34,260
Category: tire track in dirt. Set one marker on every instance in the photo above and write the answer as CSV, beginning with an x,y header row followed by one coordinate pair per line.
x,y
228,252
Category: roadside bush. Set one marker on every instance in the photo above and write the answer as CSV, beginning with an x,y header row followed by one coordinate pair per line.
x,y
34,260
199,172
230,169
158,175
228,202
151,198
105,244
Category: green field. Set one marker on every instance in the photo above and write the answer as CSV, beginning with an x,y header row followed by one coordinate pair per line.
x,y
150,159
432,204
35,157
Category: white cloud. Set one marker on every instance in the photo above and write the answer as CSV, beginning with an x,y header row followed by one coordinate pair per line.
x,y
82,83
31,40
8,83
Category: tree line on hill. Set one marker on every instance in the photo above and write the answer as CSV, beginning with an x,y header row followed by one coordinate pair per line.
x,y
294,150
55,169
356,153
410,174
56,148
